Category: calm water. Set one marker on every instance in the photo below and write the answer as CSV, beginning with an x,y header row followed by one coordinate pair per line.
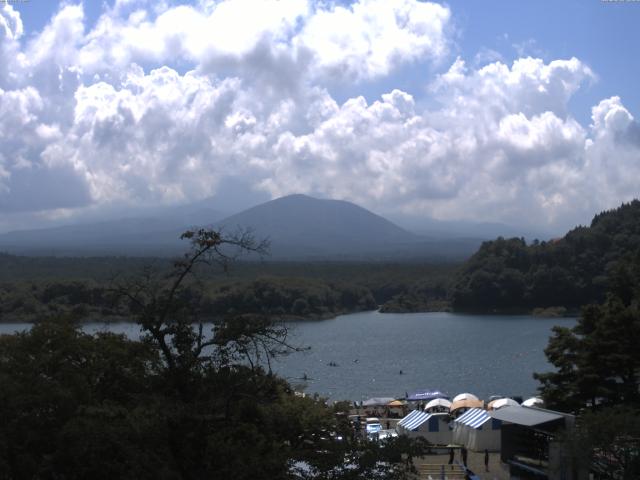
x,y
481,354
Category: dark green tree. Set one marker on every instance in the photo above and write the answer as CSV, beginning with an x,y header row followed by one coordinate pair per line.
x,y
598,361
55,380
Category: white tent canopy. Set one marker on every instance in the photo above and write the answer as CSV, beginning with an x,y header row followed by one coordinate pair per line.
x,y
438,402
477,431
533,402
465,396
502,402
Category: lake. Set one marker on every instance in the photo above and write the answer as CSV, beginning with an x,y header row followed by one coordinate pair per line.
x,y
482,354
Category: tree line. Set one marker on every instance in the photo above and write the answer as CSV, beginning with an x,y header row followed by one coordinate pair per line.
x,y
281,297
288,290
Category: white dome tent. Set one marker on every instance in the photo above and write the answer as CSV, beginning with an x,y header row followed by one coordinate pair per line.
x,y
533,402
502,402
465,396
438,404
463,402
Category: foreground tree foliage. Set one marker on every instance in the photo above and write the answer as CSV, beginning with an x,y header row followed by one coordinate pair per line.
x,y
182,403
597,377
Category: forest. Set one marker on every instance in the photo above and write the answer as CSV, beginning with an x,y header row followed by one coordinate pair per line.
x,y
279,297
32,288
508,274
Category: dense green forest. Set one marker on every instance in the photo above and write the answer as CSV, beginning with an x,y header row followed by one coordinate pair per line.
x,y
279,297
33,288
568,272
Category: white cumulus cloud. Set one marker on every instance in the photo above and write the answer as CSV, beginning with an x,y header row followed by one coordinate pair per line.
x,y
370,37
162,104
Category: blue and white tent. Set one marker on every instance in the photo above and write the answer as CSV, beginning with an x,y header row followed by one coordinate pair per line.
x,y
474,418
477,430
413,420
434,427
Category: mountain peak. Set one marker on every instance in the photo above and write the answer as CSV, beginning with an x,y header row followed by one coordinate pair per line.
x,y
323,227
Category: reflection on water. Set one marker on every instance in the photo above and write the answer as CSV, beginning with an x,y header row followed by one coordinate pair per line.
x,y
362,355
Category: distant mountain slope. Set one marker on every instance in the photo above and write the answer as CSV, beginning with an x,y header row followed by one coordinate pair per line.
x,y
158,235
570,272
299,228
298,223
443,229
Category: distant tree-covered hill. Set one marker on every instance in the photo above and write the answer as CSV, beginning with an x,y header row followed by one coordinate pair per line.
x,y
290,298
277,297
572,271
34,288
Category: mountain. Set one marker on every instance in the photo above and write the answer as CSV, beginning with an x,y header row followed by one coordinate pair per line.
x,y
322,226
299,227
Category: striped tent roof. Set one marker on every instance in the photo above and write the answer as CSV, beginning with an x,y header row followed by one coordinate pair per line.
x,y
414,420
474,418
408,418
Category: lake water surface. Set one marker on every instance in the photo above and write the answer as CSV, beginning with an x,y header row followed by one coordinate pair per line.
x,y
481,354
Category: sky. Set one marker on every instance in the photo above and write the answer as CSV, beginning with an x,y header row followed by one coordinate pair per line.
x,y
517,112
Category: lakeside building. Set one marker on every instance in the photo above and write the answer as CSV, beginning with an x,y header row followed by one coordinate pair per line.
x,y
477,431
532,445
